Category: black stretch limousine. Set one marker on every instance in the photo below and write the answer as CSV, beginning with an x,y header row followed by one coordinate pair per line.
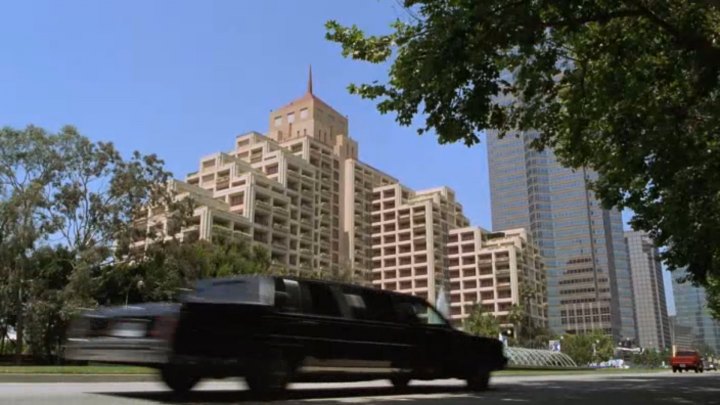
x,y
275,330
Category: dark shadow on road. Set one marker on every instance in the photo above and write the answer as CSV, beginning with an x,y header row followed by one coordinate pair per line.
x,y
596,390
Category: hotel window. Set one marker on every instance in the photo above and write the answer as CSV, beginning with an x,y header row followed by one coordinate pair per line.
x,y
303,113
278,121
291,118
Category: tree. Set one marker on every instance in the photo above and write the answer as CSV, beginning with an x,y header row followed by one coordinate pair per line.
x,y
588,348
171,266
81,195
481,323
29,167
46,313
98,198
649,358
627,88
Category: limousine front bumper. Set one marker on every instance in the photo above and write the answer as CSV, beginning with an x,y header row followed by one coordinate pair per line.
x,y
118,350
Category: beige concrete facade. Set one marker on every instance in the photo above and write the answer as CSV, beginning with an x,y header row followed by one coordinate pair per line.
x,y
409,238
300,191
497,270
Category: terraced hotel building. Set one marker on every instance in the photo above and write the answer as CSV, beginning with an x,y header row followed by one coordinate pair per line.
x,y
300,191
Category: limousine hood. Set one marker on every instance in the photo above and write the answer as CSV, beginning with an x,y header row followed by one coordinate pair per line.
x,y
136,310
105,321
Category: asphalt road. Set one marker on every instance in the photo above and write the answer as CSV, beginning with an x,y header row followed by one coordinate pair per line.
x,y
600,389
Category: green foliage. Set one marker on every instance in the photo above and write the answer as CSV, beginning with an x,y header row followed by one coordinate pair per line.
x,y
650,358
628,89
588,348
481,323
46,311
29,168
528,332
81,195
172,266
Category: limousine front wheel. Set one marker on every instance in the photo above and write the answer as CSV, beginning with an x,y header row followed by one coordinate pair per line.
x,y
479,381
179,381
270,376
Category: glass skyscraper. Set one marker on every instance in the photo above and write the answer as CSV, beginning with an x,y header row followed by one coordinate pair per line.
x,y
651,316
582,244
691,311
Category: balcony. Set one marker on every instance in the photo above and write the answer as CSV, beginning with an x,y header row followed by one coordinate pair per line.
x,y
263,204
221,230
280,210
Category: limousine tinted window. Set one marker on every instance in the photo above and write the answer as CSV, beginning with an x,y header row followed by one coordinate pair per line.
x,y
369,305
287,295
419,312
233,290
318,299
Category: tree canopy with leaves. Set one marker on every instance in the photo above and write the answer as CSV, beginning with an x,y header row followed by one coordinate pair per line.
x,y
481,323
63,189
588,348
627,88
70,209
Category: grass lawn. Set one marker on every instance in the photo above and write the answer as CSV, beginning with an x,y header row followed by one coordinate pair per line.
x,y
91,369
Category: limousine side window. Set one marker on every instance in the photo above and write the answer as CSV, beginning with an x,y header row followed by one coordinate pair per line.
x,y
318,299
287,295
419,312
369,305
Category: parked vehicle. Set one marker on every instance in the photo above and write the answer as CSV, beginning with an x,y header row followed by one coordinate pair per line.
x,y
686,360
274,330
709,366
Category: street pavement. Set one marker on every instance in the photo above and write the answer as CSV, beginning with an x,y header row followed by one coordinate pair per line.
x,y
585,389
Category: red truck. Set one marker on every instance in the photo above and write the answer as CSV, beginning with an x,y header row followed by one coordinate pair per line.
x,y
686,360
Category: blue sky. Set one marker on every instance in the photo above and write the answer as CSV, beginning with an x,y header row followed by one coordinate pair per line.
x,y
182,78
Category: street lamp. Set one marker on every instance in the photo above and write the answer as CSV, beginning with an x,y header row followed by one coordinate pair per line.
x,y
594,348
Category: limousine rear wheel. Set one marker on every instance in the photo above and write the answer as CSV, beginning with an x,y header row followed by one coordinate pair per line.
x,y
179,381
400,381
479,381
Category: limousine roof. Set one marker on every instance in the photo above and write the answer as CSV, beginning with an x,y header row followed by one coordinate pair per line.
x,y
260,289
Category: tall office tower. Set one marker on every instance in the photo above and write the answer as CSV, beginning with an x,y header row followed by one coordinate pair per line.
x,y
692,312
651,315
682,336
582,245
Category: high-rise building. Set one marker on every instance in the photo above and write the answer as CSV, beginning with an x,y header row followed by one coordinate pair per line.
x,y
496,270
301,192
581,244
410,233
651,315
692,311
682,336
